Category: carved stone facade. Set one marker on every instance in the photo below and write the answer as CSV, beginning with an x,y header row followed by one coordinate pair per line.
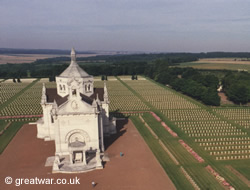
x,y
76,117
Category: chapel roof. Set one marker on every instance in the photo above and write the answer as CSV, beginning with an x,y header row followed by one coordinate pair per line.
x,y
74,70
51,94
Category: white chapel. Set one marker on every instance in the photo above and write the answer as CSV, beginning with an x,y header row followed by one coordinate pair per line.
x,y
76,117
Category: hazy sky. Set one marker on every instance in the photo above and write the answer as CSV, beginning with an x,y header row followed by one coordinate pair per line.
x,y
133,25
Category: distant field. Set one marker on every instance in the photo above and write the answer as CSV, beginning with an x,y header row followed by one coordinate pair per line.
x,y
28,58
225,60
219,63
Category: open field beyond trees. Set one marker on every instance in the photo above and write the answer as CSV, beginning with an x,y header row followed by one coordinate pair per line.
x,y
196,145
29,58
220,63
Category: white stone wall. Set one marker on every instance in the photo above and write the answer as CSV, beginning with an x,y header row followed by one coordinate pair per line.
x,y
86,86
72,123
45,129
62,86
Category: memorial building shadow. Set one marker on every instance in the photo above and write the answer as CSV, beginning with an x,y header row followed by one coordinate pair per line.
x,y
121,121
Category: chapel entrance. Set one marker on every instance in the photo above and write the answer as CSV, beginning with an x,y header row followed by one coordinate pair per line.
x,y
77,157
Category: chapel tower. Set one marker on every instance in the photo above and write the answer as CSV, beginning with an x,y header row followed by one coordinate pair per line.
x,y
74,71
76,117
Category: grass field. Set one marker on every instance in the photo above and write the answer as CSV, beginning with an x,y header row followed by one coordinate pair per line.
x,y
2,124
220,64
218,135
6,137
204,180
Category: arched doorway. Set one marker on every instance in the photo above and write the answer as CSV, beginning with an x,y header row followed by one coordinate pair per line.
x,y
78,145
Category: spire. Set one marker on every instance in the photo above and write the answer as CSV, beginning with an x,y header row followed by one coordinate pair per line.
x,y
105,96
94,104
74,70
44,98
97,99
54,108
73,55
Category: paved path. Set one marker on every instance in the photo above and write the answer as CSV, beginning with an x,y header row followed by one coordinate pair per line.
x,y
138,169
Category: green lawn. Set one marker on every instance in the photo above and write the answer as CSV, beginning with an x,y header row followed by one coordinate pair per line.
x,y
196,170
9,134
2,124
168,165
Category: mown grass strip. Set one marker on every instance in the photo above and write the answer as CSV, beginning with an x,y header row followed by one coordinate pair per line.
x,y
196,170
166,162
2,124
8,135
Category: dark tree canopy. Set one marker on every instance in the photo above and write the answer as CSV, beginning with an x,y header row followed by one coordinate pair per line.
x,y
236,87
159,67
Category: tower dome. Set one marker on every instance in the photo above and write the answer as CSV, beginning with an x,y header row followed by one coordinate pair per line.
x,y
71,73
74,70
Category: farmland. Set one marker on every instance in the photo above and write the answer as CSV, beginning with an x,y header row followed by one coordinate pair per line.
x,y
219,64
29,58
186,137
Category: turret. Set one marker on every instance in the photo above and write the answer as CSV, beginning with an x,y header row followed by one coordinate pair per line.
x,y
98,100
105,96
44,98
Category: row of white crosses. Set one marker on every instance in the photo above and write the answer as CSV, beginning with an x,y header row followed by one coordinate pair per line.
x,y
239,157
243,123
121,98
235,113
9,90
159,97
189,115
173,105
192,120
223,139
26,104
230,152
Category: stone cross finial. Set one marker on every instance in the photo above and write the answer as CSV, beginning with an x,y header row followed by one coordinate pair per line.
x,y
73,55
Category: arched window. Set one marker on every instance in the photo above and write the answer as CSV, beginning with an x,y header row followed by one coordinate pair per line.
x,y
64,87
73,91
60,86
89,87
85,88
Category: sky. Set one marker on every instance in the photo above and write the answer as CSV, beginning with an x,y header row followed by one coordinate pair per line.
x,y
126,25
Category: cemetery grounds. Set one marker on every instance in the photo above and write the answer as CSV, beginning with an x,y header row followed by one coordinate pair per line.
x,y
199,147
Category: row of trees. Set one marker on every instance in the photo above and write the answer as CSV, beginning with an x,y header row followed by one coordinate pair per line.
x,y
17,80
236,87
188,81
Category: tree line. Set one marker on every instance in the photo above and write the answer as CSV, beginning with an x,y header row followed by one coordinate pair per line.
x,y
236,87
159,67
